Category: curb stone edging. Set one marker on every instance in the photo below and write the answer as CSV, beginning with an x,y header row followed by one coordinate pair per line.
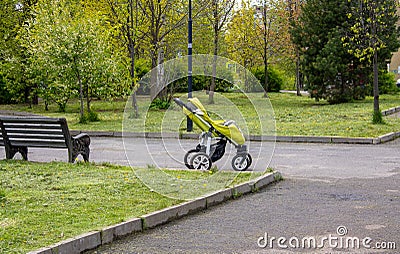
x,y
291,139
109,234
391,111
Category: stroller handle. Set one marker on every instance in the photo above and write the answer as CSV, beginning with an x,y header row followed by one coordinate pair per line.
x,y
179,102
189,106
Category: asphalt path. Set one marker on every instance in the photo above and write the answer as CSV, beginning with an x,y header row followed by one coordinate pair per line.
x,y
297,160
326,186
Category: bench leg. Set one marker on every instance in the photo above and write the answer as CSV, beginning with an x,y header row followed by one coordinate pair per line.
x,y
80,145
11,151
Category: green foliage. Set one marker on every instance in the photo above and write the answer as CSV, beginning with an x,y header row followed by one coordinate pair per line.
x,y
5,96
387,83
224,81
160,104
325,63
142,66
13,54
377,118
2,195
89,117
372,27
326,33
275,80
351,119
202,83
70,54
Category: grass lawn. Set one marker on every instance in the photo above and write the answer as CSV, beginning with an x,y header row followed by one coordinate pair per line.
x,y
44,203
294,115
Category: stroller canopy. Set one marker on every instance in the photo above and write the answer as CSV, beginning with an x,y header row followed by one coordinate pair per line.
x,y
196,111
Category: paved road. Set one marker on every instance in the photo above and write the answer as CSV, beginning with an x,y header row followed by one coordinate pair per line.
x,y
291,208
325,186
317,161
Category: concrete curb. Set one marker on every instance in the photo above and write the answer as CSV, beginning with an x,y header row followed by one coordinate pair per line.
x,y
257,138
109,234
391,111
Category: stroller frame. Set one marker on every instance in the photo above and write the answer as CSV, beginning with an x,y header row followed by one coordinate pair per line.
x,y
212,143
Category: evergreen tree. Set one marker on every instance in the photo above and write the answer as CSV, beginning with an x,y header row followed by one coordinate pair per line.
x,y
331,72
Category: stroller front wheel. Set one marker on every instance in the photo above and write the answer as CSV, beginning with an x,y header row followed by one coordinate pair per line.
x,y
241,162
188,157
201,161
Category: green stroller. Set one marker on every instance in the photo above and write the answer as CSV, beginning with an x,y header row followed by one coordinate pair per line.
x,y
213,139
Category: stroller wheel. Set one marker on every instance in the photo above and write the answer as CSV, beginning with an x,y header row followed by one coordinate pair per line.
x,y
201,161
241,162
188,157
249,160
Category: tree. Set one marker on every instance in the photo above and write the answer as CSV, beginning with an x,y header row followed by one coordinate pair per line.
x,y
70,53
242,40
241,36
372,37
126,20
331,72
272,36
294,8
162,18
221,11
13,55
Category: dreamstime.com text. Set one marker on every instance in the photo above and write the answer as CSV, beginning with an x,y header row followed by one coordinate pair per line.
x,y
340,240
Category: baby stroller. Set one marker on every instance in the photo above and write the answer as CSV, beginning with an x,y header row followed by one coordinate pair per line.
x,y
213,139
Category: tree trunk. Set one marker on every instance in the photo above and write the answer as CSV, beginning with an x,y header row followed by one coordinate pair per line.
x,y
213,80
214,67
153,78
131,48
298,78
88,98
375,67
81,111
161,88
265,51
376,84
266,78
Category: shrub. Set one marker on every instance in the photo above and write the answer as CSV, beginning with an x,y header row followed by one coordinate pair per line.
x,y
275,81
386,82
158,104
89,117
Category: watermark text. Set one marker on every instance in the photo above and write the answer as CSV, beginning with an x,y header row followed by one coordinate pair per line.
x,y
340,240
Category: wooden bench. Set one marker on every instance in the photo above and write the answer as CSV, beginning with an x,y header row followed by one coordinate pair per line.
x,y
19,133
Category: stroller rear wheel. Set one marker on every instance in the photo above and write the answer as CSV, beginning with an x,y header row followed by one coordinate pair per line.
x,y
188,157
241,162
201,161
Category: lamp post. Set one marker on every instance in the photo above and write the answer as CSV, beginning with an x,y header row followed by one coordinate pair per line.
x,y
189,126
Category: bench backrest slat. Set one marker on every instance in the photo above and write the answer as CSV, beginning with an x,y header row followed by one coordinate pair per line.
x,y
33,126
31,120
36,132
38,143
30,131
